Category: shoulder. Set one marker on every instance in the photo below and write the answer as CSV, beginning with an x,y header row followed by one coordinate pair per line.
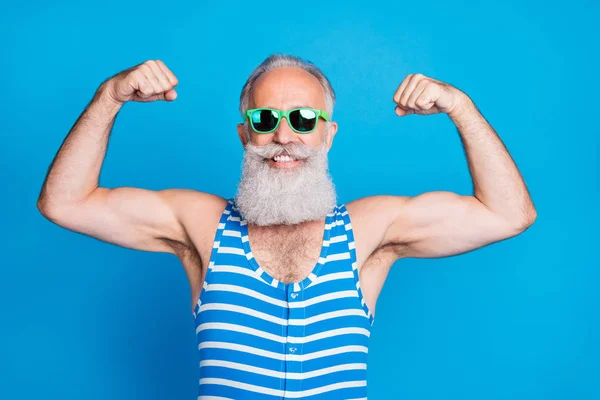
x,y
371,219
198,212
376,213
376,206
186,201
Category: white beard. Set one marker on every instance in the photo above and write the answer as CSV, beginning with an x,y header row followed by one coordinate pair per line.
x,y
274,196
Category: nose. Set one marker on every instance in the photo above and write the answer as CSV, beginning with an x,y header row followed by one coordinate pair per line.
x,y
284,134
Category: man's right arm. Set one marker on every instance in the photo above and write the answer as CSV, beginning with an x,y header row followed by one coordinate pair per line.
x,y
129,217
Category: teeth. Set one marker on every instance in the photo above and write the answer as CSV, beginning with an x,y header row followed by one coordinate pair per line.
x,y
283,158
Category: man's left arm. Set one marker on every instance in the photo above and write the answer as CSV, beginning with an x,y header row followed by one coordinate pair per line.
x,y
437,224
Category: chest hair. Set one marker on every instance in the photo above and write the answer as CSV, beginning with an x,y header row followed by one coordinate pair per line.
x,y
288,254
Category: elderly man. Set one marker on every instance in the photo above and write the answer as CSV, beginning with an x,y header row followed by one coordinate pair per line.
x,y
284,280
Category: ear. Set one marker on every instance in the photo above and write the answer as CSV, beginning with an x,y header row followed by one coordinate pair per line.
x,y
242,134
330,134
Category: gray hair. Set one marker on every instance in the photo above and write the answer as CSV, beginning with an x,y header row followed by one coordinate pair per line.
x,y
275,61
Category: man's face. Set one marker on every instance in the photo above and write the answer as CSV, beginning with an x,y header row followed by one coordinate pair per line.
x,y
297,187
284,89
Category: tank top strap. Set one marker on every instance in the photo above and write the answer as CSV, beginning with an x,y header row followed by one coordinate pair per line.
x,y
224,225
349,232
229,231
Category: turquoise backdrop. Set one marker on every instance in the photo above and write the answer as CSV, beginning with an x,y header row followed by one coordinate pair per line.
x,y
82,319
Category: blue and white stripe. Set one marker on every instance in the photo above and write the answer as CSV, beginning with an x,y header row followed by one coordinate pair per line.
x,y
260,338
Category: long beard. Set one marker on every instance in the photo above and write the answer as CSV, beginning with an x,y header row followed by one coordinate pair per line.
x,y
285,196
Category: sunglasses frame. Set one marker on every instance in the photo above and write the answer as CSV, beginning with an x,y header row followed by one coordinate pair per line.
x,y
285,113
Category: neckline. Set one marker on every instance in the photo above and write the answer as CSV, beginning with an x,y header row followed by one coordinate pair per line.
x,y
266,277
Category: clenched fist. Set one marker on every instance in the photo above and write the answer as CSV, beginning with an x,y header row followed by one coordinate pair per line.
x,y
149,81
419,94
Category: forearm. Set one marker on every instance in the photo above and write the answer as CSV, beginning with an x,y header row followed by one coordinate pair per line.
x,y
497,182
75,170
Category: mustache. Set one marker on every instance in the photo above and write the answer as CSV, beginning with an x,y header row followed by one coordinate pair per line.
x,y
272,196
295,150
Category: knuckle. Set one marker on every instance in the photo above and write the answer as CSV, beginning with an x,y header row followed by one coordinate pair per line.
x,y
144,68
146,87
138,76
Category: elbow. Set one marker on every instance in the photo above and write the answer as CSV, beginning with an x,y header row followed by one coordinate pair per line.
x,y
517,224
49,211
55,208
527,219
530,216
42,206
45,209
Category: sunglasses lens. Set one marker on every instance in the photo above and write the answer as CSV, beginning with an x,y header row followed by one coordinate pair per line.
x,y
264,120
303,120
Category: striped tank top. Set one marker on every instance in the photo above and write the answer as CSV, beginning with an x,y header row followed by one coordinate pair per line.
x,y
260,338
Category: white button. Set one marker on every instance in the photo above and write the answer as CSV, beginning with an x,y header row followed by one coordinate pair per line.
x,y
293,349
294,295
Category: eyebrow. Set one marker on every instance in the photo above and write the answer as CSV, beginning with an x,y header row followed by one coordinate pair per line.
x,y
295,106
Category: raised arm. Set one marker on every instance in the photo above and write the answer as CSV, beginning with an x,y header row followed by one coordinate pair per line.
x,y
438,224
129,217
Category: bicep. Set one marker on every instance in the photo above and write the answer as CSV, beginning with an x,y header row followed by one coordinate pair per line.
x,y
129,217
438,224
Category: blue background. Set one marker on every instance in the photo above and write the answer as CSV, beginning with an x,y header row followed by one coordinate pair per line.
x,y
81,319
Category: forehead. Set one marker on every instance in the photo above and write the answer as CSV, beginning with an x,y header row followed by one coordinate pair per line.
x,y
286,88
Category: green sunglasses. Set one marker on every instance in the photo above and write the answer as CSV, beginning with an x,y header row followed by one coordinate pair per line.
x,y
301,120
